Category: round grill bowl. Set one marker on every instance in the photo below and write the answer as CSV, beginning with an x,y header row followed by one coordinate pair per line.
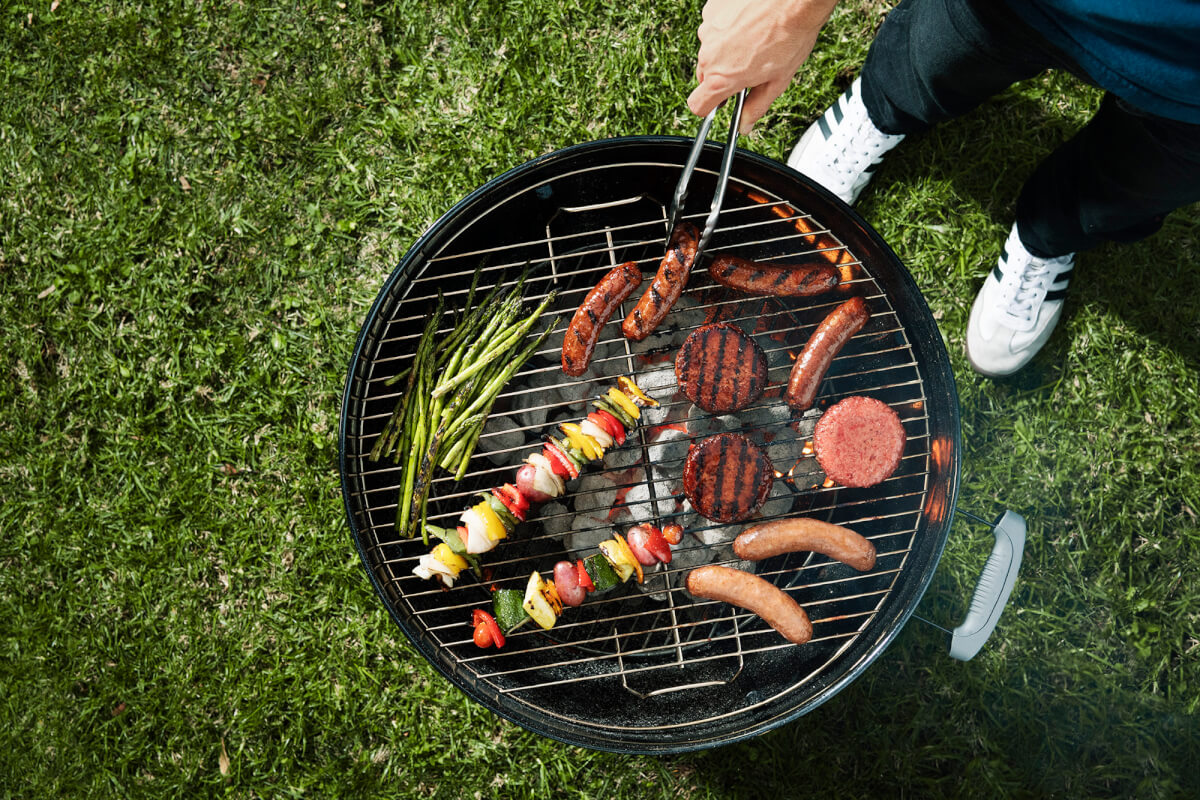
x,y
649,669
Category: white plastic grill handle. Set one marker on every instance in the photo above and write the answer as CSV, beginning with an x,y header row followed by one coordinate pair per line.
x,y
994,587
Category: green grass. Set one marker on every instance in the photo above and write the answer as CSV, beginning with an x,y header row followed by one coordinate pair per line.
x,y
198,203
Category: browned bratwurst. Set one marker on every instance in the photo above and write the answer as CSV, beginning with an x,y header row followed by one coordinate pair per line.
x,y
720,368
822,347
667,285
748,591
727,477
768,539
593,314
781,280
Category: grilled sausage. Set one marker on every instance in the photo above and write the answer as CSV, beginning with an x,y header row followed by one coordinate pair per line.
x,y
727,477
859,441
782,280
720,368
820,350
667,285
593,313
748,591
768,539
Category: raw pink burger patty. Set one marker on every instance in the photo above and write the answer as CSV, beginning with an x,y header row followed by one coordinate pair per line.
x,y
859,441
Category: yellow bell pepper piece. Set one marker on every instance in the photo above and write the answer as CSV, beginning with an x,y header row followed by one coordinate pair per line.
x,y
585,444
622,400
451,559
628,554
634,392
493,526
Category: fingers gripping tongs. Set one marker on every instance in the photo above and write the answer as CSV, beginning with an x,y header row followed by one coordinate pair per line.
x,y
681,189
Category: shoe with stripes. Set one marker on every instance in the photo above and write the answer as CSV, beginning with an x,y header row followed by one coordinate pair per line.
x,y
1016,309
843,147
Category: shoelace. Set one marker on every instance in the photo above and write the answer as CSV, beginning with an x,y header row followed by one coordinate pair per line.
x,y
1033,284
863,156
867,149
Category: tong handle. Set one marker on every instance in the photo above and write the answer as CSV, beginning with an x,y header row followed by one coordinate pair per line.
x,y
681,189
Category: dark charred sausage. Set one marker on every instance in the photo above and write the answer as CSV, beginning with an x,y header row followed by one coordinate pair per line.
x,y
720,368
727,477
820,350
768,539
781,280
748,591
593,313
859,441
667,285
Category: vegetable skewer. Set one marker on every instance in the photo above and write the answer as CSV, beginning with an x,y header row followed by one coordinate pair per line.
x,y
543,476
544,599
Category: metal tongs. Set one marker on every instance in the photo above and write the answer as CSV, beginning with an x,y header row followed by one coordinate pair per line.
x,y
681,189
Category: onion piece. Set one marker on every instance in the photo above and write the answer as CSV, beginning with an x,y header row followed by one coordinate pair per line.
x,y
477,539
602,437
544,479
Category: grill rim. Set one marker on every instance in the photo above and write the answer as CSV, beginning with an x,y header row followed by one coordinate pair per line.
x,y
943,479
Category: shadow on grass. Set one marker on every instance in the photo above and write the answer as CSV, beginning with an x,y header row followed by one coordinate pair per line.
x,y
920,723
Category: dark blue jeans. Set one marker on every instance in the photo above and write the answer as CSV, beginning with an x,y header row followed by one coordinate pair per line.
x,y
1115,180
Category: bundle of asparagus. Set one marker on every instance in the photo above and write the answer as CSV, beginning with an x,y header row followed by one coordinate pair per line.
x,y
450,388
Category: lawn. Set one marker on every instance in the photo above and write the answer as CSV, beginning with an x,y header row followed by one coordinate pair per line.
x,y
199,203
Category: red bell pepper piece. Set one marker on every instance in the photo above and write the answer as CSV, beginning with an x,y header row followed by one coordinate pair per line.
x,y
609,423
585,580
560,462
513,500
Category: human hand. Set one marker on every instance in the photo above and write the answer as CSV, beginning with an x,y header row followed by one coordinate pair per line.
x,y
759,44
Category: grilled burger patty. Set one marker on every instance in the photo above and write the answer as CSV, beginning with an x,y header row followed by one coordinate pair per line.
x,y
859,441
720,368
727,477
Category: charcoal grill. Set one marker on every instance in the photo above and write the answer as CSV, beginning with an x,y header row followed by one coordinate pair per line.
x,y
649,668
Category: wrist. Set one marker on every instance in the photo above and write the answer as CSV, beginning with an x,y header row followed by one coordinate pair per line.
x,y
807,14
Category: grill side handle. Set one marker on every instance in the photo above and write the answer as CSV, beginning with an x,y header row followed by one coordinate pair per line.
x,y
993,589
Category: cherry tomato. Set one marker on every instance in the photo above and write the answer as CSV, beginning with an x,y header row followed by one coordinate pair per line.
x,y
672,533
487,632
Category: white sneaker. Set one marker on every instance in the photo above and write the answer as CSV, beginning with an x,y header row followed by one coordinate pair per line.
x,y
1016,309
842,148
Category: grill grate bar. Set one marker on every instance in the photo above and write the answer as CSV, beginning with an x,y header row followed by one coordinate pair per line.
x,y
695,625
693,659
666,404
740,636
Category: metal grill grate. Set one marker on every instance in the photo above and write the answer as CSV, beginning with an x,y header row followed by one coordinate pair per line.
x,y
654,640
